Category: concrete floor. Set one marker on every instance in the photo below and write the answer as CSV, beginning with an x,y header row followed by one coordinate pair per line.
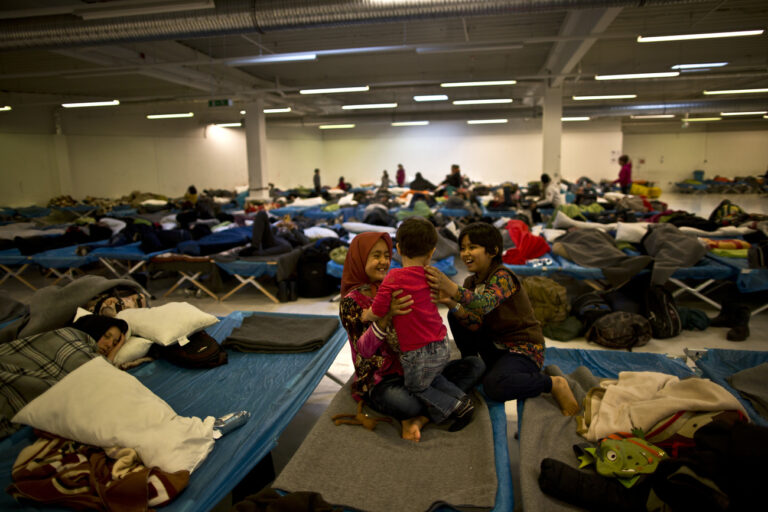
x,y
250,299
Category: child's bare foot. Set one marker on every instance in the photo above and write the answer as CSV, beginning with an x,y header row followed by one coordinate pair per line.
x,y
412,428
564,396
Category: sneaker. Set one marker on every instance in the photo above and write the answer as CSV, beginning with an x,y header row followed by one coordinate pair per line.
x,y
462,416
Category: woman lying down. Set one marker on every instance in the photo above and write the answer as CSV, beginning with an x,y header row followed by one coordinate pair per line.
x,y
158,443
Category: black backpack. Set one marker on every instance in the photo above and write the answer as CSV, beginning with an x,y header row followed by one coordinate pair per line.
x,y
313,278
589,307
661,312
620,330
202,351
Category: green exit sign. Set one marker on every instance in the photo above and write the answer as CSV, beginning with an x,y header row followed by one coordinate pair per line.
x,y
219,103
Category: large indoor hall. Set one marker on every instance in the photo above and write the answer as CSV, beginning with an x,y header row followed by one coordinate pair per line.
x,y
399,255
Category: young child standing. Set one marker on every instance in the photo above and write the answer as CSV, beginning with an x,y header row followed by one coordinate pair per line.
x,y
422,335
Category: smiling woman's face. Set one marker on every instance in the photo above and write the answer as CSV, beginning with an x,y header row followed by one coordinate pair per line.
x,y
111,342
377,264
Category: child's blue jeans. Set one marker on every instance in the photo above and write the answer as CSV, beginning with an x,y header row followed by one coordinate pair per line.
x,y
422,375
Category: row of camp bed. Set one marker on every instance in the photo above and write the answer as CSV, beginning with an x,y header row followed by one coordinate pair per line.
x,y
717,187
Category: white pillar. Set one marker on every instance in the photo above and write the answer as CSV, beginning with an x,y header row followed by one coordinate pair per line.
x,y
552,130
256,147
61,155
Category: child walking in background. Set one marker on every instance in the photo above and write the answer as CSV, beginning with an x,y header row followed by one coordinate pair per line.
x,y
421,333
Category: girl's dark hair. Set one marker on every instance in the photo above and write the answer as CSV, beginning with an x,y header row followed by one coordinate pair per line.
x,y
623,159
192,190
484,235
416,237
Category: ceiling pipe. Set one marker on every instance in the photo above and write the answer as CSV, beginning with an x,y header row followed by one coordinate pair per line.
x,y
679,107
247,16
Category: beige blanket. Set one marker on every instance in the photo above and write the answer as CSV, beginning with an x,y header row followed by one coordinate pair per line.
x,y
638,400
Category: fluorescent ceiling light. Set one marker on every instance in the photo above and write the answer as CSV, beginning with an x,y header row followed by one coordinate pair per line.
x,y
169,116
736,91
482,102
574,119
91,104
273,110
465,49
271,58
242,112
605,97
5,108
488,121
702,65
228,125
411,123
335,89
630,76
478,84
686,119
756,113
335,126
709,35
369,105
653,116
431,97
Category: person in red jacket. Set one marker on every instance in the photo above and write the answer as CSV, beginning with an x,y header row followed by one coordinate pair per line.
x,y
625,174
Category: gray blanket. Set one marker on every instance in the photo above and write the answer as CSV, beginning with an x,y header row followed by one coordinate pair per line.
x,y
29,366
53,307
671,249
555,441
752,383
378,471
275,333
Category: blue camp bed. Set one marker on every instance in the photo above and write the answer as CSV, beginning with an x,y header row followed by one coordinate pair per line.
x,y
122,211
247,272
498,214
691,188
317,213
124,260
13,258
272,387
30,212
543,266
64,262
293,211
445,265
453,212
748,280
217,242
719,364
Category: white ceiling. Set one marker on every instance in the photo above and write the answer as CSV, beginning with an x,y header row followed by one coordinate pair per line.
x,y
539,44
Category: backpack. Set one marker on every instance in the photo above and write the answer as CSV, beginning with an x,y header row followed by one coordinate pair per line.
x,y
727,214
620,330
313,277
589,307
661,312
756,255
548,298
202,351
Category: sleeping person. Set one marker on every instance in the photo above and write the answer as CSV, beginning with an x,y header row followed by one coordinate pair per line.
x,y
29,366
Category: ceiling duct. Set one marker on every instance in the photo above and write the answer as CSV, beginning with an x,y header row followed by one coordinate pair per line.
x,y
29,30
680,107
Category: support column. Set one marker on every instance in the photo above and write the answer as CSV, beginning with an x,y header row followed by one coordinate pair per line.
x,y
552,130
61,155
256,147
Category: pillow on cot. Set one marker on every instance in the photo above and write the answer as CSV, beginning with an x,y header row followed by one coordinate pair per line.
x,y
167,324
134,347
101,405
631,231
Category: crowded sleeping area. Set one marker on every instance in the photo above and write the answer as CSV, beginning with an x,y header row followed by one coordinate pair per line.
x,y
383,255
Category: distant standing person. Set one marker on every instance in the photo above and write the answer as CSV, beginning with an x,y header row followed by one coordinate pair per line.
x,y
400,175
625,174
385,179
316,181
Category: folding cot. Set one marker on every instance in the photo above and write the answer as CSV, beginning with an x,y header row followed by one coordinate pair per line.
x,y
543,266
13,258
293,211
453,212
317,213
124,260
247,272
272,387
64,262
557,440
748,280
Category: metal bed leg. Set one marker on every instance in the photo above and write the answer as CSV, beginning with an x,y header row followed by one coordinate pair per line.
x,y
334,378
682,287
193,280
16,275
254,282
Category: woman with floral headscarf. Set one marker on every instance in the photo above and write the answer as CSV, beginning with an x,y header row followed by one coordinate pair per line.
x,y
378,373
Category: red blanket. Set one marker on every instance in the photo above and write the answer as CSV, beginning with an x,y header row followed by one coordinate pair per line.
x,y
527,245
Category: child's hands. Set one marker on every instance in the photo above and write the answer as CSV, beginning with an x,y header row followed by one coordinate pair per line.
x,y
443,289
368,316
400,305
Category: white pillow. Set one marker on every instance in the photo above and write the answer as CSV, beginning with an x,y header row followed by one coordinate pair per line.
x,y
134,348
167,324
631,231
100,405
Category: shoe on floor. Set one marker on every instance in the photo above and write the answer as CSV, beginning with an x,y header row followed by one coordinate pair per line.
x,y
462,416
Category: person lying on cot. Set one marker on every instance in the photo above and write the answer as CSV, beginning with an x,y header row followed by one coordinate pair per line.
x,y
423,346
491,316
108,332
378,373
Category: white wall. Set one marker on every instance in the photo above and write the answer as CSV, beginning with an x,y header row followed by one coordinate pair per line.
x,y
672,157
293,154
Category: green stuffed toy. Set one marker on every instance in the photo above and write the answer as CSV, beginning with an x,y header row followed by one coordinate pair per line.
x,y
624,456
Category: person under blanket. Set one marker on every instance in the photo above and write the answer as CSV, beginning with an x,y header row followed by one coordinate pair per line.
x,y
30,366
378,373
491,315
424,350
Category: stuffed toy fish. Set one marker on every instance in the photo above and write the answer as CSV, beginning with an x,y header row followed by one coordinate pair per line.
x,y
622,455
